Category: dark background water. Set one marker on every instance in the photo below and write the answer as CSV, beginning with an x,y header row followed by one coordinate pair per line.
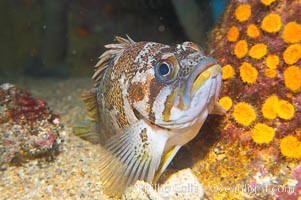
x,y
63,38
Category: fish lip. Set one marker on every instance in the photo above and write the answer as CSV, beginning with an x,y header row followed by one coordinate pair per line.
x,y
202,66
175,125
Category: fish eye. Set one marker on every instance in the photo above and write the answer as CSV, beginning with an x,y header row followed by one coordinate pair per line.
x,y
164,70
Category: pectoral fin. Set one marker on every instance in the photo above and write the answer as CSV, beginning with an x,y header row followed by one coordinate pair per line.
x,y
89,98
131,156
218,109
166,159
87,130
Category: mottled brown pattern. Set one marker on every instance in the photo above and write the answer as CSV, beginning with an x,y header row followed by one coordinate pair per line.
x,y
112,92
136,92
156,87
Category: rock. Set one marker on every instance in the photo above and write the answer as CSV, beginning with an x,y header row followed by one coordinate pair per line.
x,y
141,190
182,185
28,128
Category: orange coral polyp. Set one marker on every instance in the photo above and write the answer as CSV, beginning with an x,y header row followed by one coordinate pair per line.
x,y
285,110
233,34
292,54
270,73
226,102
262,133
290,147
258,51
253,31
243,12
244,114
227,72
292,32
292,78
269,107
267,2
271,23
272,61
241,48
248,73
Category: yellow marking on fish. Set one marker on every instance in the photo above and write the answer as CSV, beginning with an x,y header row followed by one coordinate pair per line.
x,y
181,104
168,105
204,77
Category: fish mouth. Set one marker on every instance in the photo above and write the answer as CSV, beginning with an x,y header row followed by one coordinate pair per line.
x,y
205,69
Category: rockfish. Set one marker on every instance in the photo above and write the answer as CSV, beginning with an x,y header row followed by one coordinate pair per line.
x,y
149,99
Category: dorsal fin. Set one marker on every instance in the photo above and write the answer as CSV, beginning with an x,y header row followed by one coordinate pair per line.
x,y
89,98
110,56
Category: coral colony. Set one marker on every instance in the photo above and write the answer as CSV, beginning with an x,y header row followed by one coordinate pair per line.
x,y
28,129
258,43
262,71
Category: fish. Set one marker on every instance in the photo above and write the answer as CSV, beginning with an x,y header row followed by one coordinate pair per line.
x,y
148,100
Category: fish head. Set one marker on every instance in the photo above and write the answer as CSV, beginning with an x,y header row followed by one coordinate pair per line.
x,y
175,85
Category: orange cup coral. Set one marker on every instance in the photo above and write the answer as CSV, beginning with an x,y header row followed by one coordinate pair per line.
x,y
271,23
241,48
269,107
292,54
262,133
227,72
226,102
285,110
258,51
290,147
244,114
292,78
267,2
272,61
243,12
253,31
233,34
270,73
291,32
248,73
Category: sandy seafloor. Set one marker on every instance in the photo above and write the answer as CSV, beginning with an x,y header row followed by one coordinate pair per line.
x,y
74,173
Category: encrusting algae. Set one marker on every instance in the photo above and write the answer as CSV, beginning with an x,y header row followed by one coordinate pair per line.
x,y
264,117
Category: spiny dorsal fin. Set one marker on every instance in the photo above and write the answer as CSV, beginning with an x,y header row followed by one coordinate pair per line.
x,y
110,56
89,98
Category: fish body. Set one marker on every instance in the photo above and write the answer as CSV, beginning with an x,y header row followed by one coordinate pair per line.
x,y
149,99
